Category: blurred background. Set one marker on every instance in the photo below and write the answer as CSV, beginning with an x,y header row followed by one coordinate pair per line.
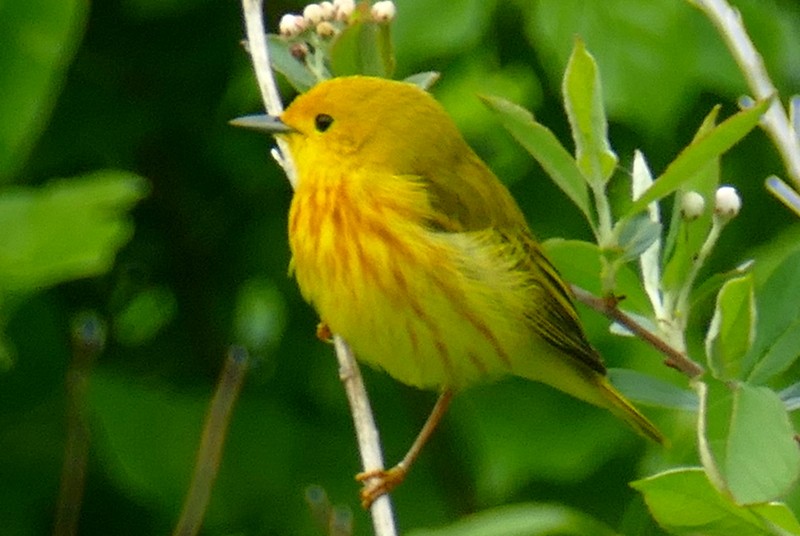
x,y
147,87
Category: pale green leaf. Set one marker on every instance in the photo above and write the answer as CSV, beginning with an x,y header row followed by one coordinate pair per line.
x,y
522,520
282,60
777,343
635,235
685,503
700,152
583,100
651,391
732,328
543,145
747,442
364,47
686,237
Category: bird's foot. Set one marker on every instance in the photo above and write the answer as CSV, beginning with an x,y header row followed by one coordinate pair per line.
x,y
324,332
379,482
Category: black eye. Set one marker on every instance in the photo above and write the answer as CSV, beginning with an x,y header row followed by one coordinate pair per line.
x,y
322,122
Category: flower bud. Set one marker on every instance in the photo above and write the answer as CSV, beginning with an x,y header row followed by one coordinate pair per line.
x,y
292,25
384,11
727,202
313,14
328,11
692,206
344,8
325,29
299,51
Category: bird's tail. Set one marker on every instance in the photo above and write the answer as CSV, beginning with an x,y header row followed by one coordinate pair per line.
x,y
620,407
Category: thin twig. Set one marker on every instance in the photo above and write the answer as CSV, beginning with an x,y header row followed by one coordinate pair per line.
x,y
210,451
775,121
259,55
369,442
366,431
675,359
88,339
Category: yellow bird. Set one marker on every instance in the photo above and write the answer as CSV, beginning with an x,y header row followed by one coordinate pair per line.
x,y
412,250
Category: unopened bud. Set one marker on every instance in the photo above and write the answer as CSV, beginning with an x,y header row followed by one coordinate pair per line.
x,y
328,11
727,202
292,25
325,29
313,14
692,206
383,11
344,8
299,51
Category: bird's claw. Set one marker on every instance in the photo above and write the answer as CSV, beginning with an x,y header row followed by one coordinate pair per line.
x,y
379,482
324,332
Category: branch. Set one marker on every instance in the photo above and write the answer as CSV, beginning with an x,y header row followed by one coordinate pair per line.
x,y
209,453
366,431
775,121
608,306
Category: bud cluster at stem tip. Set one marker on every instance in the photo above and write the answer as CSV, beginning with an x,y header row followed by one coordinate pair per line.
x,y
327,18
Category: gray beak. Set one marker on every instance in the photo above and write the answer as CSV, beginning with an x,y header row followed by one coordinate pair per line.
x,y
265,123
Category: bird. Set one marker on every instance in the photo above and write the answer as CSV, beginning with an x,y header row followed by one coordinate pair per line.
x,y
411,249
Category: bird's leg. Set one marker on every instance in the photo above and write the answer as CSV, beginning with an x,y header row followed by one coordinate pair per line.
x,y
324,332
380,481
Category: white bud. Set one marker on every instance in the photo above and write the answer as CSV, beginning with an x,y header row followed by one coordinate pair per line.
x,y
692,206
727,202
313,14
383,11
344,8
325,29
328,11
292,25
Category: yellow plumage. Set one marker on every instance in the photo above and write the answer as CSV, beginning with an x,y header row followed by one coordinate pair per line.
x,y
411,249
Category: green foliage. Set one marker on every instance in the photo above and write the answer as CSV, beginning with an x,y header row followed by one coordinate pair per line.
x,y
685,503
39,37
67,229
205,269
522,520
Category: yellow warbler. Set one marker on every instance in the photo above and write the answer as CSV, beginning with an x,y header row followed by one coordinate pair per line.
x,y
411,249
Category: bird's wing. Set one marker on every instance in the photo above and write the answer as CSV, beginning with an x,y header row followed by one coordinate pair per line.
x,y
460,207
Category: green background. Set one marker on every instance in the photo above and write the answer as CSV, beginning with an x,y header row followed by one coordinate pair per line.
x,y
147,86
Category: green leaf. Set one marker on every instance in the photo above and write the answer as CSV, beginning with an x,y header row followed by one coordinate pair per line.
x,y
425,80
732,328
282,61
145,316
777,343
579,263
651,391
635,235
583,100
364,47
685,503
746,442
543,145
700,152
685,238
67,229
522,520
39,39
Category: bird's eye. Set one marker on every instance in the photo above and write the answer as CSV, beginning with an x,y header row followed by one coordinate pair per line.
x,y
323,122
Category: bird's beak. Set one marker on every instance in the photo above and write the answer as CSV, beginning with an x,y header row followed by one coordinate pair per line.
x,y
264,123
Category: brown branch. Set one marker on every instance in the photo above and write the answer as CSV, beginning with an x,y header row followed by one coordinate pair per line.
x,y
210,451
608,306
88,340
